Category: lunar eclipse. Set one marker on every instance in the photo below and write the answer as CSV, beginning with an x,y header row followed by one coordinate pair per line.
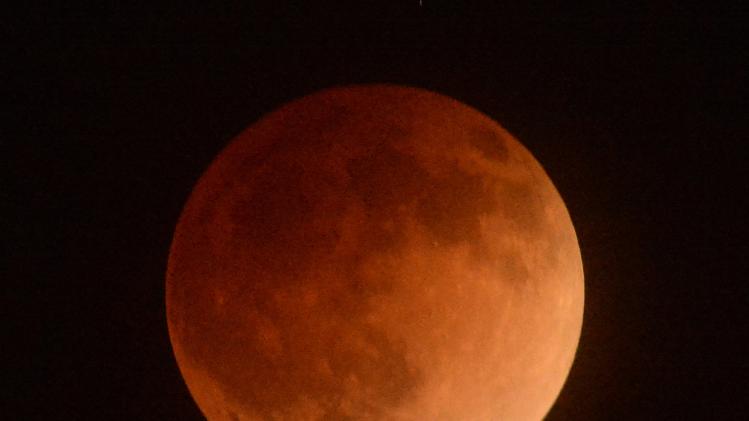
x,y
375,252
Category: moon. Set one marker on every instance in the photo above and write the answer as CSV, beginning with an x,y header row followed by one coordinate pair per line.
x,y
374,252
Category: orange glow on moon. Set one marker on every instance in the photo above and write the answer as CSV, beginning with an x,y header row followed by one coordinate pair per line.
x,y
375,252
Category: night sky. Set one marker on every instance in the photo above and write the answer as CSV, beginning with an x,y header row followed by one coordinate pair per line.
x,y
634,112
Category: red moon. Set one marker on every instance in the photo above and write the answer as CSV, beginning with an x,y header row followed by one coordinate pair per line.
x,y
374,252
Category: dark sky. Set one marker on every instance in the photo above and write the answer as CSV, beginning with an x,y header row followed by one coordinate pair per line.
x,y
633,111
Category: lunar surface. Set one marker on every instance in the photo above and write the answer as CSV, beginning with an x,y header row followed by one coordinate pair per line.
x,y
374,253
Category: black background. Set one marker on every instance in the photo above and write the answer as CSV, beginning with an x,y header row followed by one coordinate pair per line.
x,y
635,112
